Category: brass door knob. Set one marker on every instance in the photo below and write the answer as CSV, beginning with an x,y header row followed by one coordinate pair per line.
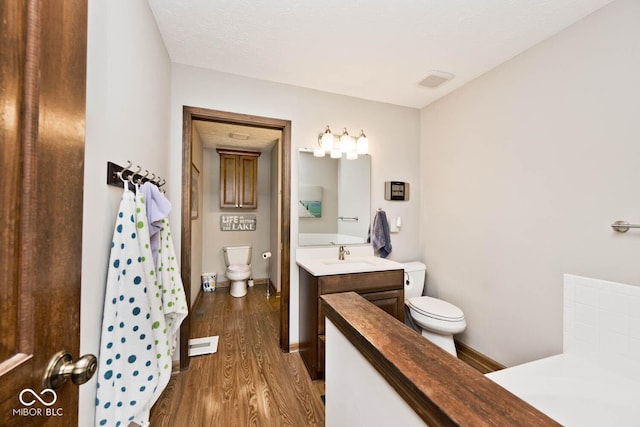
x,y
61,368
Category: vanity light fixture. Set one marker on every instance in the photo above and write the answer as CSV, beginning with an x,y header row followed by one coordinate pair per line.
x,y
336,145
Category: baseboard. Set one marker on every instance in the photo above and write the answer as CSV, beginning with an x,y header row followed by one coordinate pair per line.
x,y
294,347
477,360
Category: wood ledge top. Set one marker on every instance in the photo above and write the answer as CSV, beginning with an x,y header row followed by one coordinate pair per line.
x,y
441,389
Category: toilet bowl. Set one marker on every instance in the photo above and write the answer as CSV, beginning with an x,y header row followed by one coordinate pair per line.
x,y
437,320
238,262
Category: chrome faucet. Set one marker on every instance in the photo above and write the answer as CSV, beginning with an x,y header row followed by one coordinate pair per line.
x,y
342,251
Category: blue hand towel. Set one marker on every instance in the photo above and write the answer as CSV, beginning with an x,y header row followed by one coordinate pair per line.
x,y
381,238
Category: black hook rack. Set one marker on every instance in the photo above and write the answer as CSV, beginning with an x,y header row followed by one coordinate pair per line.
x,y
115,171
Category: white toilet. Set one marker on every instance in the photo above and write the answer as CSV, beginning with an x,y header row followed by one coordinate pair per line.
x,y
238,262
438,320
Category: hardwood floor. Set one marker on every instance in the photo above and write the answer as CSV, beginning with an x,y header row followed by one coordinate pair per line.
x,y
249,381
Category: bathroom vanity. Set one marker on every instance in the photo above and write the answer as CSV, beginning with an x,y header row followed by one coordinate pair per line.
x,y
378,280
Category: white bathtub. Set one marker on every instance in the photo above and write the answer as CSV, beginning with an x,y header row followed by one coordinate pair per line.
x,y
574,392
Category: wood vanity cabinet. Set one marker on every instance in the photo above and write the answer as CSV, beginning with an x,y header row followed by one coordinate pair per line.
x,y
383,288
238,179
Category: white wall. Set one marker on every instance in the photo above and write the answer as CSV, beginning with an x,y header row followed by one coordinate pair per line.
x,y
522,172
387,126
128,82
357,394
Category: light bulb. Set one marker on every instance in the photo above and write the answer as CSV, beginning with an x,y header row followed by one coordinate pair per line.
x,y
327,139
336,153
362,146
346,142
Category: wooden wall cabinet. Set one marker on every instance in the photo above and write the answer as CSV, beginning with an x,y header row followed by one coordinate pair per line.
x,y
382,288
238,179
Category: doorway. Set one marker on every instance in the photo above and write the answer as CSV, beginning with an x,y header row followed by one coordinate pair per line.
x,y
191,114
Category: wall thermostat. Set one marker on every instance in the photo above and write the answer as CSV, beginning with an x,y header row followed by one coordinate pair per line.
x,y
396,190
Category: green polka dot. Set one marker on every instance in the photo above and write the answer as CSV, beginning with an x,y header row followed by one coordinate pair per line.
x,y
156,324
140,224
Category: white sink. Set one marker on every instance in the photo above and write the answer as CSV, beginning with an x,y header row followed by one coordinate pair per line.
x,y
351,264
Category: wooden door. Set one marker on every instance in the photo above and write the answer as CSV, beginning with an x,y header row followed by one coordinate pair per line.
x,y
248,182
42,115
390,301
228,181
238,179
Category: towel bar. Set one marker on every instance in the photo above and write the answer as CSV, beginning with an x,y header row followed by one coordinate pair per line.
x,y
348,218
623,226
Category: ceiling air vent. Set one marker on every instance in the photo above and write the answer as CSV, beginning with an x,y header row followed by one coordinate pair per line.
x,y
436,78
238,135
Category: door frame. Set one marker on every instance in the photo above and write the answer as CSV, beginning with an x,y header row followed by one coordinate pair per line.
x,y
189,114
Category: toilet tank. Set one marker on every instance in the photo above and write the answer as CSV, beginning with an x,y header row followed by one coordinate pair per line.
x,y
414,275
237,255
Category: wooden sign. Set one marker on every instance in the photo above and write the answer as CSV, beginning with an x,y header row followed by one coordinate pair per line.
x,y
246,222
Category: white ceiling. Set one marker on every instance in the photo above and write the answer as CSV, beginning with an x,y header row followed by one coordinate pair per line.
x,y
239,137
373,49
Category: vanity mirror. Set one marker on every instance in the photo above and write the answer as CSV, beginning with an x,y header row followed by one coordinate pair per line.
x,y
334,205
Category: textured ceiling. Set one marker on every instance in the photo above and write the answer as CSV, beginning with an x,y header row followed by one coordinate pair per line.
x,y
224,135
372,49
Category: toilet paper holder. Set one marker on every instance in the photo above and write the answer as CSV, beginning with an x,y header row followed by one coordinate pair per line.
x,y
267,256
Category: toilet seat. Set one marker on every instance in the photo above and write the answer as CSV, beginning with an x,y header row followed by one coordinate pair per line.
x,y
436,309
446,321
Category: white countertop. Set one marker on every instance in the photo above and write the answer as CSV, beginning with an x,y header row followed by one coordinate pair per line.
x,y
325,262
